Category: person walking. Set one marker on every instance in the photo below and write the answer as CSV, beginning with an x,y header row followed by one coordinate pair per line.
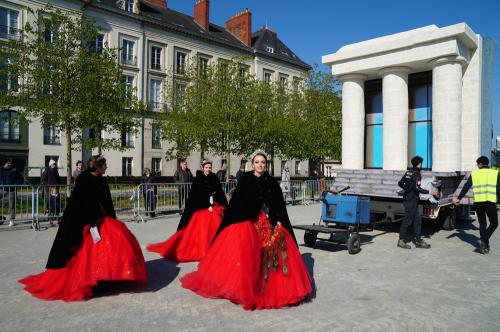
x,y
485,184
183,176
200,220
90,246
9,177
410,183
254,259
240,172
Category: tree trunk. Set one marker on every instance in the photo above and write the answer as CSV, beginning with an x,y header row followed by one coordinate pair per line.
x,y
69,161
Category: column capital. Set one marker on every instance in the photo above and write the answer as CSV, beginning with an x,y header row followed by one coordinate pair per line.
x,y
394,70
352,77
447,60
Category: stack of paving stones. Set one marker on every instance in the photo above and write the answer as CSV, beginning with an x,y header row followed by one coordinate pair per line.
x,y
382,183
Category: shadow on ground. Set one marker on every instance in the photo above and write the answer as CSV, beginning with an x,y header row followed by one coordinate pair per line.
x,y
161,272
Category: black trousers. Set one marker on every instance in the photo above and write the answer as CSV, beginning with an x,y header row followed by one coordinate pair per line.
x,y
484,209
412,216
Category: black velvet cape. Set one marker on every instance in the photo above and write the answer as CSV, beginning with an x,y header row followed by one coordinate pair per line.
x,y
250,195
201,190
89,201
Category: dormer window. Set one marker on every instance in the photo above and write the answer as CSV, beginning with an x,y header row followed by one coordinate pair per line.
x,y
269,49
129,6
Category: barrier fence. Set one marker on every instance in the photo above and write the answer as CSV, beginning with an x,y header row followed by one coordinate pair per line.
x,y
26,204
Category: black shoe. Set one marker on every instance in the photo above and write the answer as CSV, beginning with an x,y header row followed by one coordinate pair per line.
x,y
403,244
482,248
422,244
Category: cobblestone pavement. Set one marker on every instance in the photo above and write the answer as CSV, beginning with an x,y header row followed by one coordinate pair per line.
x,y
447,288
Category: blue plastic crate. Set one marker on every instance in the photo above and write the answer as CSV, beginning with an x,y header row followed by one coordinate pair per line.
x,y
346,209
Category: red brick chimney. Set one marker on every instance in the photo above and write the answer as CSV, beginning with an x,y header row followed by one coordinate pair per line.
x,y
240,25
202,13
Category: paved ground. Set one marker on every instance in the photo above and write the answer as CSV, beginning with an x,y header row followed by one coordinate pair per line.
x,y
447,288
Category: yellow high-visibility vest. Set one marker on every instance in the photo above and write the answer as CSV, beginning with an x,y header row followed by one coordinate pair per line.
x,y
484,185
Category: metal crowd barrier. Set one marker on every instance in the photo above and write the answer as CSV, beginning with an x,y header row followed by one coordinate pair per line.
x,y
26,204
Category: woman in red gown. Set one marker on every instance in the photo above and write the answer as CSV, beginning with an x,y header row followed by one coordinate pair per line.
x,y
200,220
90,245
254,259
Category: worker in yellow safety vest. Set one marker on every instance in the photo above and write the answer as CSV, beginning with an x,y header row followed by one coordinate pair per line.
x,y
485,183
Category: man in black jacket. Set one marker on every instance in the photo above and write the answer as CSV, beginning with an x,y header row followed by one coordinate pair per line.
x,y
9,177
410,182
183,176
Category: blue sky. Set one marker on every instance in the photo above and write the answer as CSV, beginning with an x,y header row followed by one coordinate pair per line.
x,y
318,27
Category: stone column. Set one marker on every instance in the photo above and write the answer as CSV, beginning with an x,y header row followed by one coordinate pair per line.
x,y
395,110
446,114
353,121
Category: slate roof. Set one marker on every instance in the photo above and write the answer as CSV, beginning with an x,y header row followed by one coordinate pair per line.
x,y
185,24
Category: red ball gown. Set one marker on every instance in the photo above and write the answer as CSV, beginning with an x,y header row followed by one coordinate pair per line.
x,y
254,260
76,263
199,223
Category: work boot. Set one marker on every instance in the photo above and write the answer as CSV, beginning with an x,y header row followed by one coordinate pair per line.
x,y
403,244
422,244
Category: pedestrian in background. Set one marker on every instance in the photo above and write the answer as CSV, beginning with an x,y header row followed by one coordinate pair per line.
x,y
183,176
149,192
485,184
9,178
50,177
78,170
54,204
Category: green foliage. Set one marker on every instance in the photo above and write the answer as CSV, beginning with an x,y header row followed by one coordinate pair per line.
x,y
225,110
65,82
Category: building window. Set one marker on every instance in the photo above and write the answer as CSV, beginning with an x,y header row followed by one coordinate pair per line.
x,y
8,81
49,158
268,75
269,49
128,81
155,57
128,57
9,23
99,43
9,126
374,124
154,95
295,85
129,6
420,118
297,167
180,62
283,81
51,136
179,93
127,138
155,136
127,166
156,165
51,31
203,66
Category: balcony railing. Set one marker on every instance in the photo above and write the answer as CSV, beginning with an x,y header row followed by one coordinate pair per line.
x,y
129,60
9,32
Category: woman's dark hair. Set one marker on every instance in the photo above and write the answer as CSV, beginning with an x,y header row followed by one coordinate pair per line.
x,y
259,153
147,170
95,162
78,162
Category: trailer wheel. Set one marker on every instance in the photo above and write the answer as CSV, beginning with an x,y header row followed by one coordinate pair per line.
x,y
310,238
450,219
353,244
